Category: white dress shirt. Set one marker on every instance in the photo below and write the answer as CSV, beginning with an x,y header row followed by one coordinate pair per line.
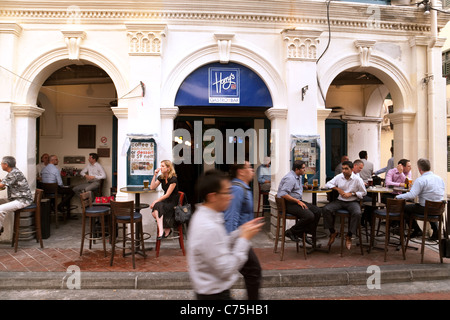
x,y
95,170
353,184
214,257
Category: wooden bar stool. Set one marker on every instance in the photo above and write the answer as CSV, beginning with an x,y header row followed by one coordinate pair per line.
x,y
343,214
394,212
261,195
123,212
51,192
282,216
35,208
92,212
179,228
434,211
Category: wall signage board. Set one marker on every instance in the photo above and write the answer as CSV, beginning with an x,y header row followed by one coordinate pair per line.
x,y
216,84
307,149
141,161
223,85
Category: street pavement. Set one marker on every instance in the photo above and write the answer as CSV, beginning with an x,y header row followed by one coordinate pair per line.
x,y
57,272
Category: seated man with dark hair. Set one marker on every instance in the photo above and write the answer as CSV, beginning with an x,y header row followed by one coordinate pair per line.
x,y
291,189
351,189
94,174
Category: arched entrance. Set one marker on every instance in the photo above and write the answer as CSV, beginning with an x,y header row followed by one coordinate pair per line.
x,y
357,95
68,103
221,118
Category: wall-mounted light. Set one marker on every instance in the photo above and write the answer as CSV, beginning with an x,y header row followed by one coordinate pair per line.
x,y
426,4
304,89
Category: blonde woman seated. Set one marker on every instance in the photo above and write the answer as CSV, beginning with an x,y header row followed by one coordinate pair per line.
x,y
163,208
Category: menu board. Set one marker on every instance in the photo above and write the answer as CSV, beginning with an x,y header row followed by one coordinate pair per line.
x,y
307,149
141,161
142,158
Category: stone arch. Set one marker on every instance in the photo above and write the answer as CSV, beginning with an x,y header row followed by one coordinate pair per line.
x,y
34,75
393,78
239,54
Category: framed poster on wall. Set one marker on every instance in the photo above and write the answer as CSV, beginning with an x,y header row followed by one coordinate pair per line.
x,y
307,149
141,161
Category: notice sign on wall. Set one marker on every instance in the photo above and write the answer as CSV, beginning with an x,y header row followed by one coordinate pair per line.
x,y
142,158
223,85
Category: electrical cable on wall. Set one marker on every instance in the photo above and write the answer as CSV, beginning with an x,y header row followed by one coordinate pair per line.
x,y
328,44
141,85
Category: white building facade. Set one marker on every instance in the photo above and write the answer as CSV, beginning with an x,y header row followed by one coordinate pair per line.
x,y
287,44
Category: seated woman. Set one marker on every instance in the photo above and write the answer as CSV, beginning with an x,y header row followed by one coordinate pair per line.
x,y
163,208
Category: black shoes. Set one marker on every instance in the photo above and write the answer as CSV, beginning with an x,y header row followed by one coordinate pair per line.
x,y
291,235
164,235
416,233
434,236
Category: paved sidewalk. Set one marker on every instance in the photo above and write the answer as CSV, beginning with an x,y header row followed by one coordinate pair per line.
x,y
35,268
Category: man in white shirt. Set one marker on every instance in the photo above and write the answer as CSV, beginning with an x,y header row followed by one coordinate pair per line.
x,y
351,189
214,256
93,173
427,187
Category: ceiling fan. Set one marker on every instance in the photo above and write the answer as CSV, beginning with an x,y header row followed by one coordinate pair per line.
x,y
112,103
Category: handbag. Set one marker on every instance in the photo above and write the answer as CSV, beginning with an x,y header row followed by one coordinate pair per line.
x,y
183,213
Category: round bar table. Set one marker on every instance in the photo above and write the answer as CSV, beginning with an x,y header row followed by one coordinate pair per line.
x,y
137,190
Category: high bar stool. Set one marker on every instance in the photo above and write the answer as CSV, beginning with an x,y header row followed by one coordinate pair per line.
x,y
282,216
261,195
179,228
36,208
123,212
343,214
51,192
433,212
394,212
92,212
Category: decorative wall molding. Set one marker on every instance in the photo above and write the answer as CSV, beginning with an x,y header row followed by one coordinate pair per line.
x,y
73,39
350,17
145,39
276,113
301,44
169,113
224,43
365,50
10,28
25,110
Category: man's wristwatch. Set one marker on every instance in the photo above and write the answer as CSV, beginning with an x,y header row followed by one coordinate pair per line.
x,y
353,193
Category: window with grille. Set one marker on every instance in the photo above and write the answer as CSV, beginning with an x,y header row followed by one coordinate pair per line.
x,y
446,65
446,4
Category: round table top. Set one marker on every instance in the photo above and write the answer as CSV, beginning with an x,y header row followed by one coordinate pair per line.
x,y
380,189
136,189
317,190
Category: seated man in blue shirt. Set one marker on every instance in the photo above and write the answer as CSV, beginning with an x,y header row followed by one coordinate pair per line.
x,y
427,187
291,189
263,174
238,213
51,174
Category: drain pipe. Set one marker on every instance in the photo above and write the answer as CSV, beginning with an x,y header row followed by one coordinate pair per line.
x,y
429,80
